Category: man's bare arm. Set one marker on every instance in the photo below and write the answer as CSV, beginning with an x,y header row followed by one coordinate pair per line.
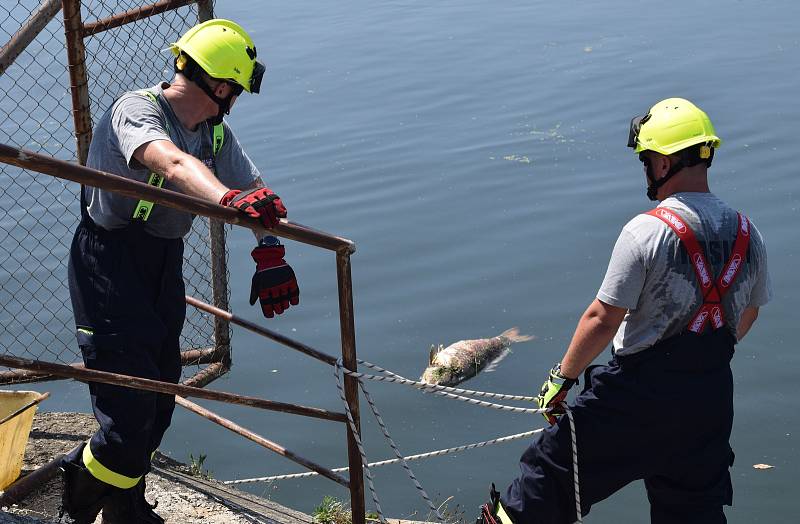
x,y
595,330
749,315
185,171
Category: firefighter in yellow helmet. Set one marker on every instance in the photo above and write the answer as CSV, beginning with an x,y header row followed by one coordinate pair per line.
x,y
125,265
684,284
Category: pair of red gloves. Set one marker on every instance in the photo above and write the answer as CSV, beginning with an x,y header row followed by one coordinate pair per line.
x,y
274,282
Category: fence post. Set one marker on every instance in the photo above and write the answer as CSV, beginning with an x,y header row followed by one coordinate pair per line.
x,y
350,361
205,10
27,32
79,82
219,289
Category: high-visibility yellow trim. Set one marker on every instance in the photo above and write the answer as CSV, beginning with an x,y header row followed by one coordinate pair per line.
x,y
144,207
501,513
86,331
102,473
219,138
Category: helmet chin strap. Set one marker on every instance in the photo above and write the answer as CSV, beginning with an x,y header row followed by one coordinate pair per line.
x,y
189,68
224,104
652,188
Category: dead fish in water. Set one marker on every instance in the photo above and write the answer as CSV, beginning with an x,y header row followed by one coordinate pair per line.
x,y
465,358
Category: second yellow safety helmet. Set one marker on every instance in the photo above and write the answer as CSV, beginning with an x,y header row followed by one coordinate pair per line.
x,y
670,126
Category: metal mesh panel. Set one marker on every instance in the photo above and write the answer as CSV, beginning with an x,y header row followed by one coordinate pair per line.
x,y
38,213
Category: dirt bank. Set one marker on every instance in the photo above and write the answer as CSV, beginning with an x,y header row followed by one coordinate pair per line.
x,y
182,498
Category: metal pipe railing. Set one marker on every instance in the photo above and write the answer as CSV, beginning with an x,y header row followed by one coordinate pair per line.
x,y
261,441
188,358
350,361
31,27
78,77
255,328
116,379
141,191
132,15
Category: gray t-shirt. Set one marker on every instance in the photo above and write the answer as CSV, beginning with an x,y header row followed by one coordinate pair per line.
x,y
650,273
134,120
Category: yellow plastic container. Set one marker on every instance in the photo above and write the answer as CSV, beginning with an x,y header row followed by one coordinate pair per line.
x,y
14,432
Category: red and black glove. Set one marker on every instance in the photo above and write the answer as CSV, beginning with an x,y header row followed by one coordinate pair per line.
x,y
260,203
274,283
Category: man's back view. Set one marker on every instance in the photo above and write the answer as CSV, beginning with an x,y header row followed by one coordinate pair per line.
x,y
683,286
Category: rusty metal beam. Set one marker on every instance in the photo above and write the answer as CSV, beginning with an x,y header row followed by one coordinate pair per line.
x,y
350,361
132,15
79,81
255,328
199,356
206,375
31,27
205,10
25,377
19,376
261,441
219,289
90,375
138,190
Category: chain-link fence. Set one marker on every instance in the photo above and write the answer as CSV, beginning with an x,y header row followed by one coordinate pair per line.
x,y
38,213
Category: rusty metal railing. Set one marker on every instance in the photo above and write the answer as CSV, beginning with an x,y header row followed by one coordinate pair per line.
x,y
341,246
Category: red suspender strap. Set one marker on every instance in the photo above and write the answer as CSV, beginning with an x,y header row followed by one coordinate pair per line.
x,y
738,256
712,291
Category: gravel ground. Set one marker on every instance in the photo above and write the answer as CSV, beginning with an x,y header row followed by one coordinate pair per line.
x,y
182,498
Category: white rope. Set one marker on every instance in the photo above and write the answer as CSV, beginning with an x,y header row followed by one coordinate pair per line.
x,y
394,377
397,453
449,392
444,391
574,463
387,462
357,438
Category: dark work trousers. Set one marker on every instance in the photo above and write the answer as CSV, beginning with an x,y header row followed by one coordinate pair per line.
x,y
663,415
127,296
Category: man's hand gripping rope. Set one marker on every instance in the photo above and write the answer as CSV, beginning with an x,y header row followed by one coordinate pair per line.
x,y
554,394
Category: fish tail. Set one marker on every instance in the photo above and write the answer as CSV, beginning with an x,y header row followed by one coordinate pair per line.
x,y
513,336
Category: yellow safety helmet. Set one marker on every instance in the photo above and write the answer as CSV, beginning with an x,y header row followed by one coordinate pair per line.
x,y
670,126
223,50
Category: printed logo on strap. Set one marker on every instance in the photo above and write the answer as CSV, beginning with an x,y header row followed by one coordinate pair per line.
x,y
729,275
672,219
745,225
702,270
698,322
716,317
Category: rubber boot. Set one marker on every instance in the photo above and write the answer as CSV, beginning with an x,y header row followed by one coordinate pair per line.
x,y
83,496
128,506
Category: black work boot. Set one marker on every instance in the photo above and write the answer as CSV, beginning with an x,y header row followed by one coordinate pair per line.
x,y
128,506
83,496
